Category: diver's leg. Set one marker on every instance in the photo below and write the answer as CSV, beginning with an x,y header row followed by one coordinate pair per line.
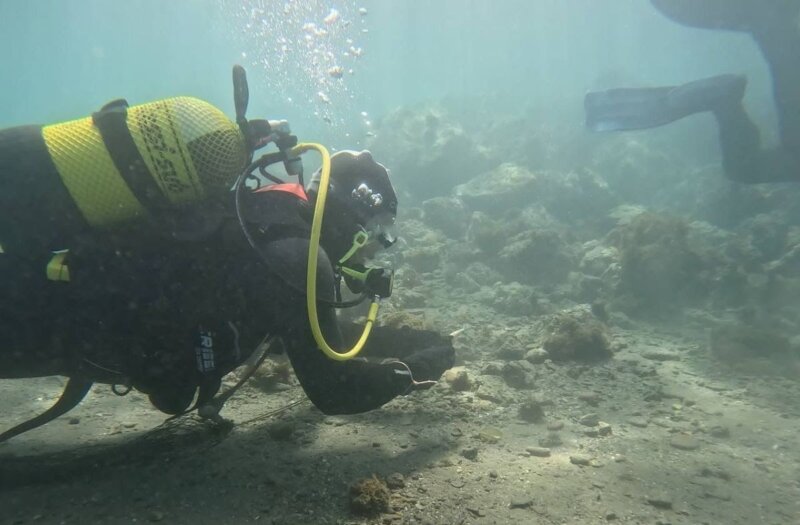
x,y
775,27
742,158
779,39
640,108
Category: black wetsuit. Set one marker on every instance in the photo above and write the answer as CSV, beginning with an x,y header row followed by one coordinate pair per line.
x,y
142,308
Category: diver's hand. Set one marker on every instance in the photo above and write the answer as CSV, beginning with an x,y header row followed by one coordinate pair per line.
x,y
429,364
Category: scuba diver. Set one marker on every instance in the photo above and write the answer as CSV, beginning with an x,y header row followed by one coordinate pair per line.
x,y
775,27
143,247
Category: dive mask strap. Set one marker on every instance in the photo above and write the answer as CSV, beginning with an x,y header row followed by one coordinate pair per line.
x,y
360,240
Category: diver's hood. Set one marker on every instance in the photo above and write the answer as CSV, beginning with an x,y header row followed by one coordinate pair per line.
x,y
359,188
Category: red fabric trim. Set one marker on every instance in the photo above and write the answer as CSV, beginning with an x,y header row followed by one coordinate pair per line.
x,y
288,187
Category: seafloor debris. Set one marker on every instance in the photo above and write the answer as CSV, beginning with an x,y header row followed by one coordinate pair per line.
x,y
369,497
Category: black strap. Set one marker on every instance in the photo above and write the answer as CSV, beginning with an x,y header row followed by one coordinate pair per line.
x,y
111,120
74,392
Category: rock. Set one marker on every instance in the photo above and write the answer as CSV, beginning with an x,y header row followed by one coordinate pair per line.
x,y
490,435
589,420
552,255
715,472
611,516
458,379
539,452
423,259
590,398
555,425
519,374
656,245
661,355
597,258
603,429
446,214
507,186
513,299
531,410
684,442
478,513
660,502
395,481
576,334
537,355
522,502
551,440
470,453
639,422
718,431
74,420
581,460
428,151
510,352
487,234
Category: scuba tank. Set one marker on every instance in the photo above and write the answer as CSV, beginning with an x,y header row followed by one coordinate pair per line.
x,y
127,163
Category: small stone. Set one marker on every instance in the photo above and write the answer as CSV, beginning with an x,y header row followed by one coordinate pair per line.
x,y
581,460
719,431
74,420
537,356
493,474
590,398
551,440
715,472
555,425
470,453
155,515
478,513
684,442
519,374
129,424
603,429
659,502
458,379
395,481
520,503
589,420
661,355
539,452
638,422
490,435
611,516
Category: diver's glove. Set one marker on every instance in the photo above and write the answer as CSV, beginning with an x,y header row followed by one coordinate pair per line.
x,y
427,366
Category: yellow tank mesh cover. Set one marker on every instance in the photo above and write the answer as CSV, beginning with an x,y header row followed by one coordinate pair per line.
x,y
89,174
167,134
191,149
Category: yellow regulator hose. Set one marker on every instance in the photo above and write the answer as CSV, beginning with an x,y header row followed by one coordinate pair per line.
x,y
313,250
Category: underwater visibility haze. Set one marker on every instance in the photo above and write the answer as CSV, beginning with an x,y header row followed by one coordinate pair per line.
x,y
400,262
